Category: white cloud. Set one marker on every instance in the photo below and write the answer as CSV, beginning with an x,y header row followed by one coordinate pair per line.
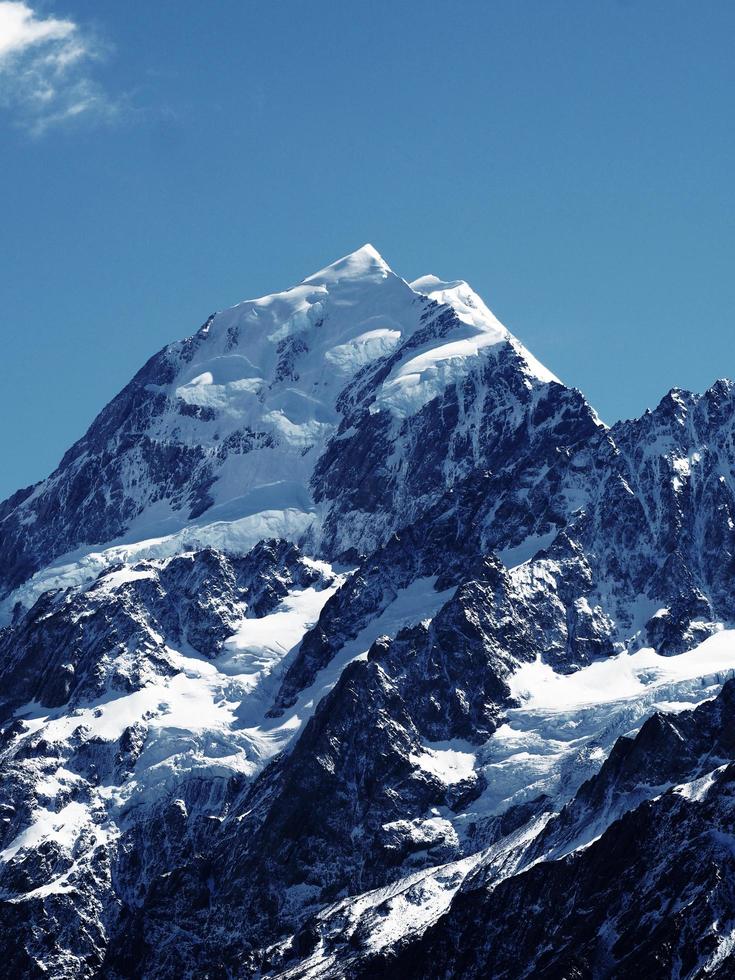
x,y
46,69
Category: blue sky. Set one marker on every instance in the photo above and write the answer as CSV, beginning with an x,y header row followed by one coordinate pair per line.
x,y
572,160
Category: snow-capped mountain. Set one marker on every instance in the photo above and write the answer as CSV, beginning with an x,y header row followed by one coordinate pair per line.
x,y
324,652
228,426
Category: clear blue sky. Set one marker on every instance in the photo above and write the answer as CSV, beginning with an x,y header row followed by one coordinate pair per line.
x,y
573,160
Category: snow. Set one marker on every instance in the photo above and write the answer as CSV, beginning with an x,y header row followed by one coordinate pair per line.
x,y
63,827
472,310
259,644
624,676
407,907
369,346
52,784
419,602
210,716
274,367
697,789
416,381
339,320
387,915
725,949
536,368
364,263
448,765
464,301
236,536
521,553
121,576
566,724
412,904
66,827
234,694
195,719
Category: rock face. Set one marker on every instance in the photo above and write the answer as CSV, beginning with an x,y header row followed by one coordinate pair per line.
x,y
349,642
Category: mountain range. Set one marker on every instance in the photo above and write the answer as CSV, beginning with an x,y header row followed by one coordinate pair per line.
x,y
350,642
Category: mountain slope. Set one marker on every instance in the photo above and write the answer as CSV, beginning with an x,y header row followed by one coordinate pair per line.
x,y
651,896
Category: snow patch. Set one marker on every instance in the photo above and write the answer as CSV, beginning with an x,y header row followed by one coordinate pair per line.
x,y
447,765
521,553
697,789
627,675
63,827
566,724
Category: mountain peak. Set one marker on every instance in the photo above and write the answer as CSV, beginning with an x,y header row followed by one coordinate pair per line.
x,y
471,309
244,414
364,262
458,294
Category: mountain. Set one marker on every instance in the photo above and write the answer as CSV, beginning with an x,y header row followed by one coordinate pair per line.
x,y
349,641
229,426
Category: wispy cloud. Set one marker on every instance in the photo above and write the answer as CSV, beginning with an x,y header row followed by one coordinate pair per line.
x,y
47,69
